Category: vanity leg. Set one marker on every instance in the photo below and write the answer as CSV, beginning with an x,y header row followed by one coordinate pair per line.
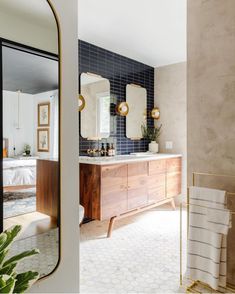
x,y
173,203
111,223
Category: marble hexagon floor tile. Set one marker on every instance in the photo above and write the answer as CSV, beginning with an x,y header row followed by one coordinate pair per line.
x,y
142,256
44,262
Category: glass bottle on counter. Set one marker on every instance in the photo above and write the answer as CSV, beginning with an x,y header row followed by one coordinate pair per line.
x,y
103,150
109,149
113,150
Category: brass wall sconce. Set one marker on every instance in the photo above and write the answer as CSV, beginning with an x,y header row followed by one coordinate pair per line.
x,y
155,113
81,102
122,109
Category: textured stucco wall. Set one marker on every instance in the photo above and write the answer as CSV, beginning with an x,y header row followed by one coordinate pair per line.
x,y
170,97
211,86
211,98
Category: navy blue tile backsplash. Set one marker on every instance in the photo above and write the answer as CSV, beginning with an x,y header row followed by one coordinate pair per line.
x,y
120,71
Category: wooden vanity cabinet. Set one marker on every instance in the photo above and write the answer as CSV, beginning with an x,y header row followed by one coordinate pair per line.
x,y
137,180
47,187
157,181
173,177
113,190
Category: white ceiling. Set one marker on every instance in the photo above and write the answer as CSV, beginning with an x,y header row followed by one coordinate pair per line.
x,y
150,31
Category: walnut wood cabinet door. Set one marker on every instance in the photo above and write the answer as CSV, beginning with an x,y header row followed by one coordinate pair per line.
x,y
137,185
156,188
157,181
173,179
47,198
90,190
113,190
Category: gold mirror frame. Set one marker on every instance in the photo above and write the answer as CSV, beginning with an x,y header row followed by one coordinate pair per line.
x,y
155,113
56,18
122,108
60,127
81,102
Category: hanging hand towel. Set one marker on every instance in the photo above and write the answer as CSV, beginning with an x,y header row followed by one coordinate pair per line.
x,y
206,244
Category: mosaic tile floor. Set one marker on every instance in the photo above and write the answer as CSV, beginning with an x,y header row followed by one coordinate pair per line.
x,y
44,262
142,256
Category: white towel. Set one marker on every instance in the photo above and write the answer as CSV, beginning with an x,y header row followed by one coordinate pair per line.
x,y
219,221
208,225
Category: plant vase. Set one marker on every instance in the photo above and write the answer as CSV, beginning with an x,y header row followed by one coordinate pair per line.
x,y
153,147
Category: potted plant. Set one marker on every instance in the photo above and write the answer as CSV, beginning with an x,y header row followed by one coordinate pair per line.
x,y
152,134
10,280
27,149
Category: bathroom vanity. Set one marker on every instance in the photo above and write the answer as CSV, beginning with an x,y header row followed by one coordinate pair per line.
x,y
112,188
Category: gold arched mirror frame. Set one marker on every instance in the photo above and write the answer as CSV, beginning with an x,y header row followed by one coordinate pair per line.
x,y
27,45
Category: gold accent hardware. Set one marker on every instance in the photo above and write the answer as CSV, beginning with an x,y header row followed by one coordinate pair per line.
x,y
81,102
122,108
155,113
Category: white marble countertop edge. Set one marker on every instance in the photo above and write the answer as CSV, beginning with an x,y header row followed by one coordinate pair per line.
x,y
124,159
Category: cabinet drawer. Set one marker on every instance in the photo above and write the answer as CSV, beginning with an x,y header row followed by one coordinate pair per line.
x,y
156,194
157,166
137,182
113,204
156,180
173,184
137,198
138,169
113,175
109,189
156,188
174,164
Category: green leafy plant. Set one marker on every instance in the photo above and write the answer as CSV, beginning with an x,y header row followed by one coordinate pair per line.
x,y
151,133
10,280
27,147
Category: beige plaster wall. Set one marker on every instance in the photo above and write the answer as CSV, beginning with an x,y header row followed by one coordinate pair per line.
x,y
211,86
211,97
170,97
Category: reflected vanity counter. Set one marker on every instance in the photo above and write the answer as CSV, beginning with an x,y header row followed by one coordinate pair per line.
x,y
112,188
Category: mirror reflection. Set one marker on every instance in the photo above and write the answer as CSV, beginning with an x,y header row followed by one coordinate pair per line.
x,y
137,111
30,131
95,117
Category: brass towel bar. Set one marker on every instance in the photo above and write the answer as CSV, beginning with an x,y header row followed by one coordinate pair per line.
x,y
191,288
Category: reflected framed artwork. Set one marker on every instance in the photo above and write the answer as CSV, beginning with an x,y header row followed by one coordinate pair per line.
x,y
43,140
44,114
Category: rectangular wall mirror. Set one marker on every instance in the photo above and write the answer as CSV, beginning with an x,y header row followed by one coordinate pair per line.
x,y
95,117
136,97
29,130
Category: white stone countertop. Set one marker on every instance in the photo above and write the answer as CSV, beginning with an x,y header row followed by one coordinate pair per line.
x,y
125,158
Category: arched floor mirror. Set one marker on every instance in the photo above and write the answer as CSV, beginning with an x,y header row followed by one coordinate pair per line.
x,y
30,130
